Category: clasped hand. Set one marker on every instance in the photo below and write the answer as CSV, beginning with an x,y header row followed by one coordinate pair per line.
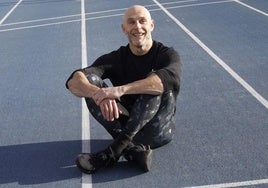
x,y
105,98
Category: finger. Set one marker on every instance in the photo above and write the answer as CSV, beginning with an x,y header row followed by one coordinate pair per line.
x,y
116,111
104,111
111,111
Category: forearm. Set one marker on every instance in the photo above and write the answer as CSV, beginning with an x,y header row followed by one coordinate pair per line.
x,y
80,86
151,85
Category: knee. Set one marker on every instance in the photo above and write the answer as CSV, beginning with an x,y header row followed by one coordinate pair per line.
x,y
79,75
95,80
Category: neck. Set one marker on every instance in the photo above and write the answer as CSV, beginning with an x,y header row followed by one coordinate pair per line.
x,y
141,50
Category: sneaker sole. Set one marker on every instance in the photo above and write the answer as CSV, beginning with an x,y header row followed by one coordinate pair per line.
x,y
82,169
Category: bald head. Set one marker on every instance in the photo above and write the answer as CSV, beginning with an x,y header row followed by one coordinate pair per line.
x,y
135,11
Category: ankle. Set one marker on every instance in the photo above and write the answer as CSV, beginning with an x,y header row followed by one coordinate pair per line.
x,y
120,143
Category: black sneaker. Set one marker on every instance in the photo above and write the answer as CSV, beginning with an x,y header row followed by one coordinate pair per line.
x,y
141,155
90,163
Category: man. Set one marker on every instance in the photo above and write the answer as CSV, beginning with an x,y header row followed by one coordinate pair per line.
x,y
138,110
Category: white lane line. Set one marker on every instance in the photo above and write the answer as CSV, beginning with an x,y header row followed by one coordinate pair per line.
x,y
199,4
42,20
9,12
250,7
91,13
86,179
95,17
113,15
234,184
39,25
239,79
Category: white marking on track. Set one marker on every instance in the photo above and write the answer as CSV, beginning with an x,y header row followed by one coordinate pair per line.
x,y
9,12
250,7
234,184
94,17
238,78
40,25
86,179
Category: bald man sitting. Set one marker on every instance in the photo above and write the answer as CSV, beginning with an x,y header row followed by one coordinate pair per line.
x,y
138,110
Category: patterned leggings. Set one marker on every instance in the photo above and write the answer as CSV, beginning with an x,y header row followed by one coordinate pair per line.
x,y
150,122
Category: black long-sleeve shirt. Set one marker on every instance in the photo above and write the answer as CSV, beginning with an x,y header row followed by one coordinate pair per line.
x,y
122,67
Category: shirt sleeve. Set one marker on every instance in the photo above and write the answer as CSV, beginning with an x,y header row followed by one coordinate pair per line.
x,y
70,77
103,66
169,69
96,68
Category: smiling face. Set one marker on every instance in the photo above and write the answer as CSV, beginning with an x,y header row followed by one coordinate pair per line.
x,y
138,25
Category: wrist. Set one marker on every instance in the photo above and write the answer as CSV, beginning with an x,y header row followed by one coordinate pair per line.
x,y
123,90
91,90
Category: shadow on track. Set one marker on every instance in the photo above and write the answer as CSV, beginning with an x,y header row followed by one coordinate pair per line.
x,y
38,163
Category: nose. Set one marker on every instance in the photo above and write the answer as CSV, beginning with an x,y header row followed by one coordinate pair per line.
x,y
138,24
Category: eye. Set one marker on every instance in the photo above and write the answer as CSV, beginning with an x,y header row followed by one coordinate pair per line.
x,y
131,22
142,21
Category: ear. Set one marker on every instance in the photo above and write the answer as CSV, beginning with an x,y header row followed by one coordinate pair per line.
x,y
123,28
152,25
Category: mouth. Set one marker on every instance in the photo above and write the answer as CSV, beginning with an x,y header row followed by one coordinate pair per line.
x,y
138,35
137,38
